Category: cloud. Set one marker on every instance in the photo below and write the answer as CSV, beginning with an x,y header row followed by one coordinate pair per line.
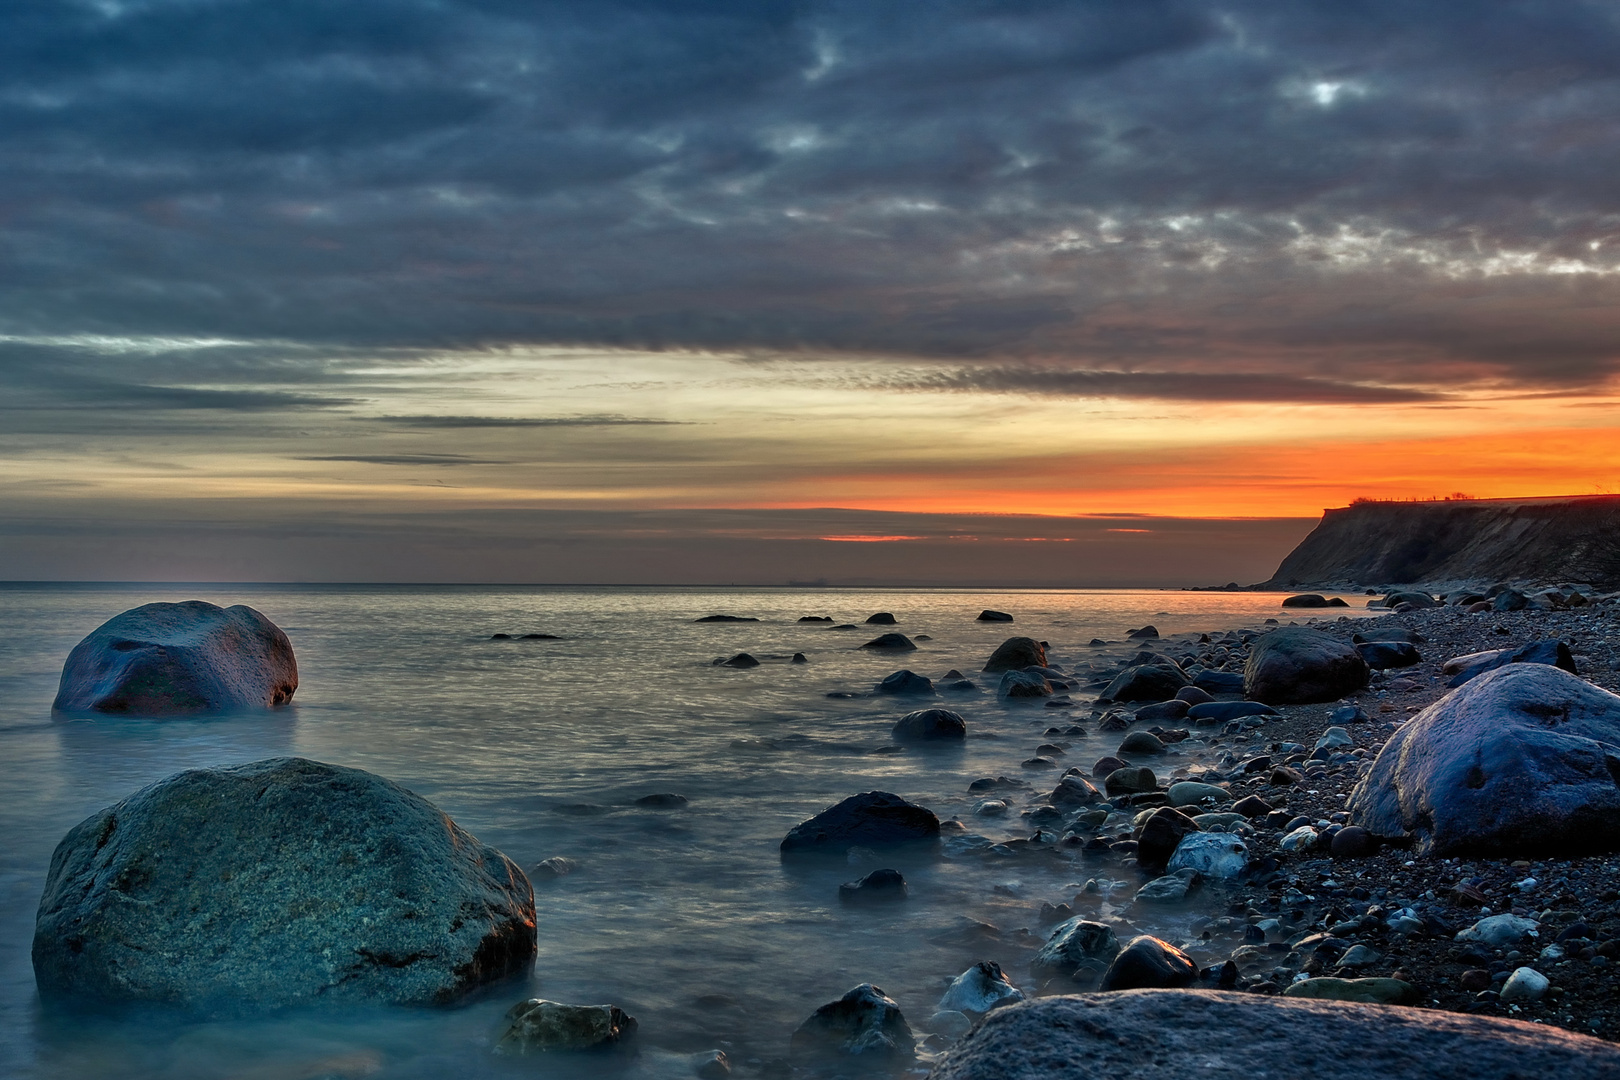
x,y
404,459
607,420
1163,385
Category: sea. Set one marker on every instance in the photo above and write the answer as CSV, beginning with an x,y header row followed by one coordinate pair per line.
x,y
688,918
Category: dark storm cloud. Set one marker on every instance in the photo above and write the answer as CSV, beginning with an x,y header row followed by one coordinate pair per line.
x,y
1315,199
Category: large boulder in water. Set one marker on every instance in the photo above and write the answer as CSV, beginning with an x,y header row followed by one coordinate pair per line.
x,y
276,883
1015,654
864,1024
1210,1035
1295,666
1155,681
175,659
926,724
1522,761
871,819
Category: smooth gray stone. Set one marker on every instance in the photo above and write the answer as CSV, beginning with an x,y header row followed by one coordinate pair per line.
x,y
178,659
281,882
1522,761
1214,1035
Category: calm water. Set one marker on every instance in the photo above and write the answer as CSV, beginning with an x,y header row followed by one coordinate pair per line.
x,y
512,737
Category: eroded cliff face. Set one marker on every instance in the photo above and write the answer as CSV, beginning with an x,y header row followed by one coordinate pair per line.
x,y
1574,539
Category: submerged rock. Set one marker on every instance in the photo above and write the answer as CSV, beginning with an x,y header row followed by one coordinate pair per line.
x,y
726,618
991,615
1212,1035
979,989
927,724
177,659
1523,760
878,887
1072,945
865,1023
1016,653
871,819
538,1026
663,800
893,642
906,681
1023,684
1295,666
739,660
882,618
278,883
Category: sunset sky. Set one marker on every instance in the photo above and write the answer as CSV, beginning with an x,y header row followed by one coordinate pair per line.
x,y
1027,293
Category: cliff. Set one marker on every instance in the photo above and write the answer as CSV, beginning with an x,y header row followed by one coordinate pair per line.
x,y
1574,539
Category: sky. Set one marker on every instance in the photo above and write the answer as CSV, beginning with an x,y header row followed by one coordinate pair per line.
x,y
1061,293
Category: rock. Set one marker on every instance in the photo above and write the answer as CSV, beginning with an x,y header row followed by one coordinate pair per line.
x,y
1189,793
1072,945
1296,666
1173,709
1213,1035
1283,776
865,1023
1220,856
798,658
1465,668
1149,963
1474,980
1023,684
1113,722
815,618
1334,738
1146,682
893,642
1130,781
872,819
321,883
1015,654
979,989
1499,931
1388,633
1510,600
1353,842
928,724
1156,840
1220,712
538,1026
538,637
1525,984
179,659
664,800
1146,632
740,660
989,615
1523,760
1302,838
1306,600
725,618
906,682
500,637
711,1064
1252,806
1413,597
1106,765
1169,889
1140,742
1074,790
555,867
1371,991
1192,695
949,1024
1358,956
878,887
1219,682
1349,714
1384,655
882,618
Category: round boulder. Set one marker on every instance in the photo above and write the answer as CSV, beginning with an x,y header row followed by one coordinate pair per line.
x,y
925,724
1522,761
278,883
179,659
1296,666
1016,653
1146,961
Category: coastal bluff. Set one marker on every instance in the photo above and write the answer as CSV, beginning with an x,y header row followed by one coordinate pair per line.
x,y
1574,538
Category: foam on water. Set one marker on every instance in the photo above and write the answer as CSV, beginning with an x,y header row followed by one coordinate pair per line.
x,y
687,917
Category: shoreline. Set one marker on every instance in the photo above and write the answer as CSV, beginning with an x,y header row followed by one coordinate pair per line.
x,y
1312,893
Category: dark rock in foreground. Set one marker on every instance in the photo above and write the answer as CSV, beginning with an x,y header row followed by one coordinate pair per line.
x,y
1383,655
175,659
1523,760
277,883
1295,666
930,724
865,1024
871,819
538,1026
1015,654
1210,1035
